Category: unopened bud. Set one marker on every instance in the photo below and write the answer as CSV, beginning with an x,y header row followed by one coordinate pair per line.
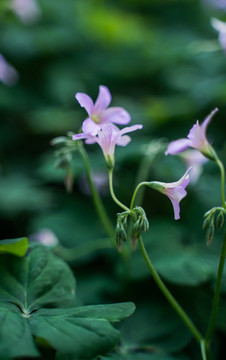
x,y
220,220
210,234
206,223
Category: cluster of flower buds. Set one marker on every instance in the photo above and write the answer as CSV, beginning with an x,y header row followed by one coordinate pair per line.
x,y
209,223
66,146
140,221
121,227
140,225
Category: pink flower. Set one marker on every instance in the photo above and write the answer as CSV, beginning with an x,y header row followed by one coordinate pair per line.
x,y
175,191
107,137
196,139
220,26
99,112
195,160
8,74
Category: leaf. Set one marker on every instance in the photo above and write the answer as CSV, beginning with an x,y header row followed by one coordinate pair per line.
x,y
84,332
38,280
15,335
16,247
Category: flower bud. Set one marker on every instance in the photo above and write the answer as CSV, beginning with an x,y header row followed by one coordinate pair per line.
x,y
220,220
210,234
206,223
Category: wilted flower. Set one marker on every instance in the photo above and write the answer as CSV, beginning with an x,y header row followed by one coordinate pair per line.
x,y
27,10
195,160
8,74
107,137
99,113
220,26
175,191
196,139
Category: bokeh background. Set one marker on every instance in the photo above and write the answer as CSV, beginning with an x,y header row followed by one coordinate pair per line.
x,y
165,62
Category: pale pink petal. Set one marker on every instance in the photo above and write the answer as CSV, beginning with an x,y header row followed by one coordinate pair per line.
x,y
116,115
103,99
176,209
130,128
123,140
178,146
85,101
90,127
208,119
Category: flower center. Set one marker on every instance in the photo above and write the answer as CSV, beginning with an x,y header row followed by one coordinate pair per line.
x,y
96,118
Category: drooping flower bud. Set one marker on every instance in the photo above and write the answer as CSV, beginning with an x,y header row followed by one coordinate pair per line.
x,y
220,220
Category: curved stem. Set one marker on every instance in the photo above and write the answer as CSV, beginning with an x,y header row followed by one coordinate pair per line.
x,y
135,193
216,299
72,254
169,296
221,166
124,207
96,198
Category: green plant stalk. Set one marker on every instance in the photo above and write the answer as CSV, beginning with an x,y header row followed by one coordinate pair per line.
x,y
221,166
216,298
96,198
185,318
124,207
81,250
135,193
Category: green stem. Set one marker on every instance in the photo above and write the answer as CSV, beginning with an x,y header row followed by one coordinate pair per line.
x,y
203,349
221,166
135,193
124,207
216,299
81,250
96,198
169,296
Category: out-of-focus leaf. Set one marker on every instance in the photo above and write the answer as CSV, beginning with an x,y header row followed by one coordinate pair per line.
x,y
16,247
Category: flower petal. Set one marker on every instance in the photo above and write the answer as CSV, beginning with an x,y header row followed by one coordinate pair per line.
x,y
103,99
178,146
90,127
176,209
123,140
208,119
117,115
85,101
130,128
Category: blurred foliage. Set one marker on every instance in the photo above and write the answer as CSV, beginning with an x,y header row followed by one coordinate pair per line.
x,y
161,61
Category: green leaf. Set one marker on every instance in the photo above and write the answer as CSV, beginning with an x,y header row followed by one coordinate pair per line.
x,y
38,280
15,335
14,246
84,332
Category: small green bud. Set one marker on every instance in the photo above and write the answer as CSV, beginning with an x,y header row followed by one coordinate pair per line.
x,y
220,220
206,223
210,234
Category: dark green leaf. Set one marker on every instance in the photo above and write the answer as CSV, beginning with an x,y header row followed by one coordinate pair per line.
x,y
15,335
83,332
38,280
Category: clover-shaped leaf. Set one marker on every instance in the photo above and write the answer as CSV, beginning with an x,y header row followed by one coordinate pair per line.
x,y
35,294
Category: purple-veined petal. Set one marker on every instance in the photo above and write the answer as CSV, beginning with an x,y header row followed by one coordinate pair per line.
x,y
117,115
177,146
79,136
85,101
103,99
90,127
